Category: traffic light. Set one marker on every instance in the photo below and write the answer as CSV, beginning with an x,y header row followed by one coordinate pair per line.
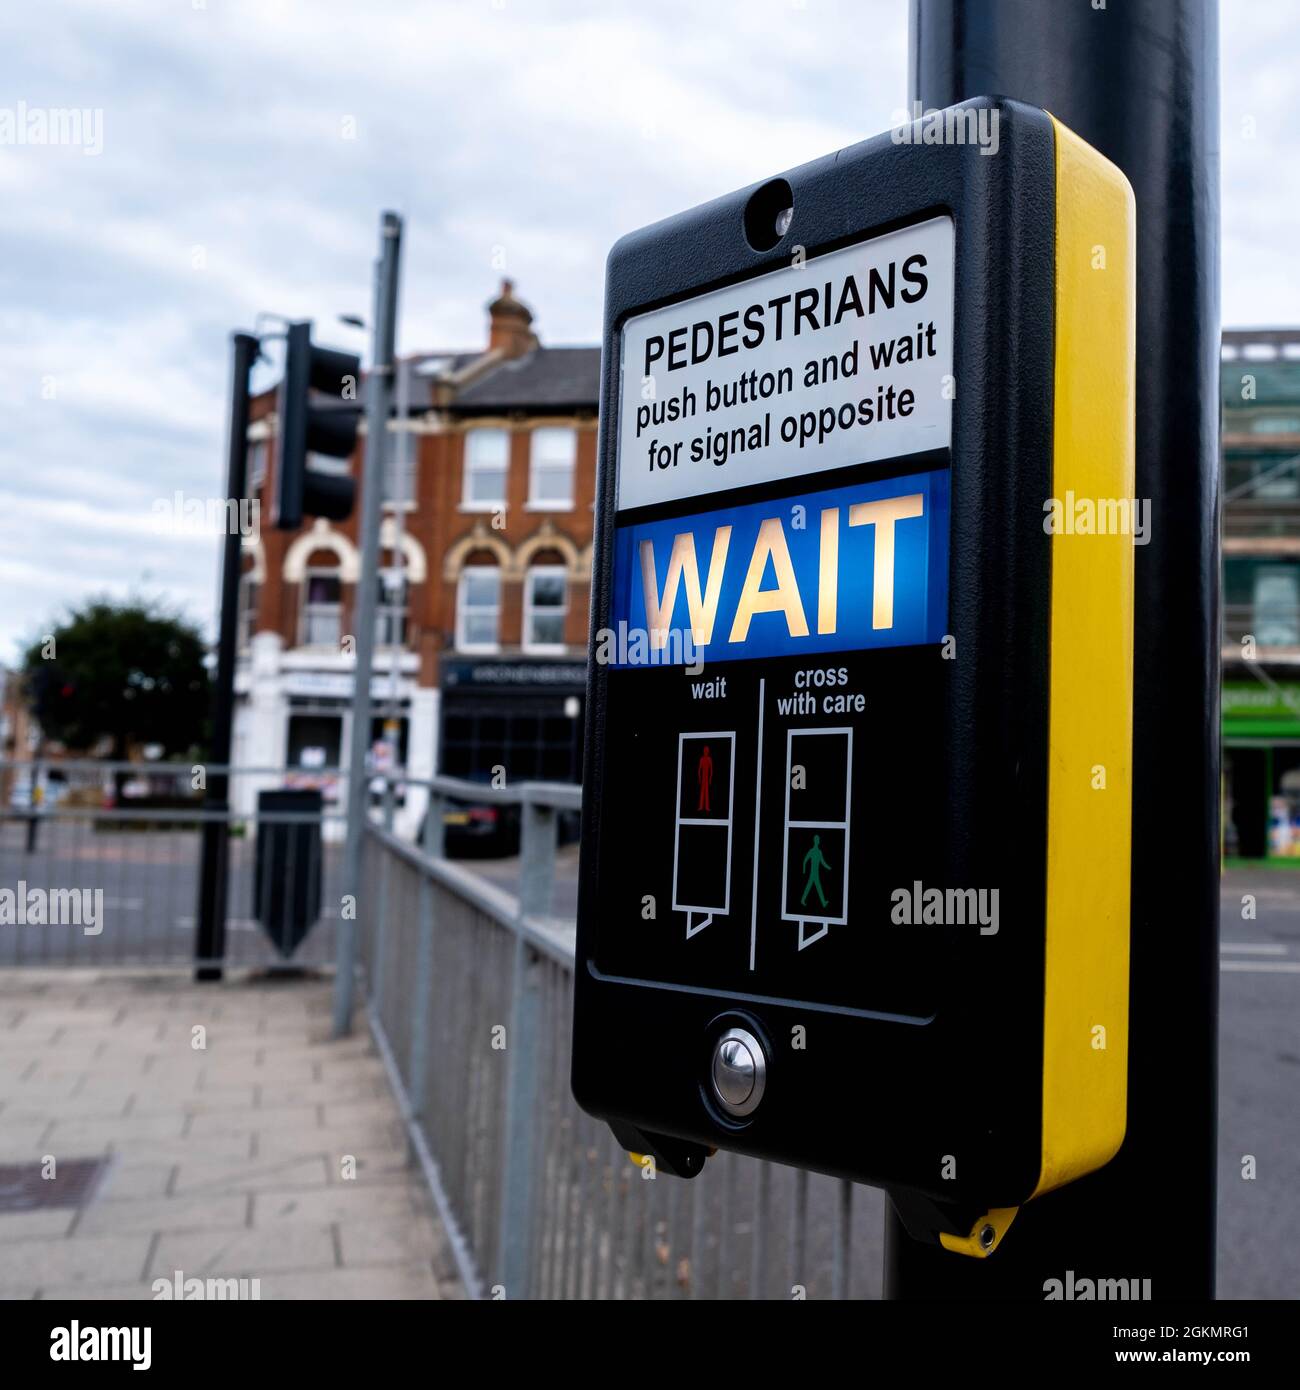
x,y
314,426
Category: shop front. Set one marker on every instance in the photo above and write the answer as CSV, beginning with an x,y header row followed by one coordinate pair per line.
x,y
512,719
1261,769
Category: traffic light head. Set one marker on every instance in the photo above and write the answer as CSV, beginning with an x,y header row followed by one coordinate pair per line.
x,y
318,415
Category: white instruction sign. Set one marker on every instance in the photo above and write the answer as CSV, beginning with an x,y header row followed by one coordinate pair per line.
x,y
841,359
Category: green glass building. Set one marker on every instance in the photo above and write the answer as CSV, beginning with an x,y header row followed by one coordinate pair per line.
x,y
1260,385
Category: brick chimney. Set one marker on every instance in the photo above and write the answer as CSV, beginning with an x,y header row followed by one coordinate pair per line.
x,y
509,321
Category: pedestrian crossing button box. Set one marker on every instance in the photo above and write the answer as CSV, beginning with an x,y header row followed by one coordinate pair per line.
x,y
858,760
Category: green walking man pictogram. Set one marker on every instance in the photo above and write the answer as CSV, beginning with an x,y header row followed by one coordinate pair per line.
x,y
817,859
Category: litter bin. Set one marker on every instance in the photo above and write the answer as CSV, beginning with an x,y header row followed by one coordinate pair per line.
x,y
287,868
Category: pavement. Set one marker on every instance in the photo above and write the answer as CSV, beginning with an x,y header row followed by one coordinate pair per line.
x,y
239,1142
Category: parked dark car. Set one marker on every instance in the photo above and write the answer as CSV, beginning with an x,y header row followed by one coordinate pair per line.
x,y
491,829
485,829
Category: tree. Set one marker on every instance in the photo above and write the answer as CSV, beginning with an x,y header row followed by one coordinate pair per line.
x,y
128,673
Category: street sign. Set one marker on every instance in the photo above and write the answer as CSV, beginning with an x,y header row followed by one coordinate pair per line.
x,y
792,373
856,811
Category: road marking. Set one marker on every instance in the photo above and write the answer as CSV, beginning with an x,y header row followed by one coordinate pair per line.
x,y
1262,967
232,924
1250,949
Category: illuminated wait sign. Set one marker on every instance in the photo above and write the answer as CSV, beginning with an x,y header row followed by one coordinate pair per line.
x,y
843,569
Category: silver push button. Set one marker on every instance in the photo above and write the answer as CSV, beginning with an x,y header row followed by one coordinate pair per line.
x,y
739,1071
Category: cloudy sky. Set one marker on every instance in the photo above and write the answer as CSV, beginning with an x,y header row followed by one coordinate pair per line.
x,y
248,147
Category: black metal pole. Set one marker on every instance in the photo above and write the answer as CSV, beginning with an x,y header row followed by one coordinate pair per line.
x,y
1138,80
210,934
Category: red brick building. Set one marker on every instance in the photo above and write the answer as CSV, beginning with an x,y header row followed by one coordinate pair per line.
x,y
485,574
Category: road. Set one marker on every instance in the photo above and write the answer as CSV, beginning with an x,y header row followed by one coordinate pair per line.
x,y
148,881
505,874
1259,1084
149,885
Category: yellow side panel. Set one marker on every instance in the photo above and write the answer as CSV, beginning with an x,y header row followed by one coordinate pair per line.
x,y
1090,768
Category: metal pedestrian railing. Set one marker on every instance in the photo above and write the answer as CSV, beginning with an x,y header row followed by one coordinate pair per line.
x,y
100,867
469,999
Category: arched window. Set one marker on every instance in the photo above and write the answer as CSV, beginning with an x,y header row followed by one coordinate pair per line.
x,y
546,603
478,604
321,623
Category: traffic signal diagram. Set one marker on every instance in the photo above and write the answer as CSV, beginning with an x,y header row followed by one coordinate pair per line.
x,y
319,412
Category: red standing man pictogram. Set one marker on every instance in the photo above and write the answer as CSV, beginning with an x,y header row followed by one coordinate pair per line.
x,y
705,775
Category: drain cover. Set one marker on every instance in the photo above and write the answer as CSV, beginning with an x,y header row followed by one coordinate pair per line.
x,y
24,1188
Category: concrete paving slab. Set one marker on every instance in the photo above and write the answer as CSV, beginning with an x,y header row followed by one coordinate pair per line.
x,y
226,1161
